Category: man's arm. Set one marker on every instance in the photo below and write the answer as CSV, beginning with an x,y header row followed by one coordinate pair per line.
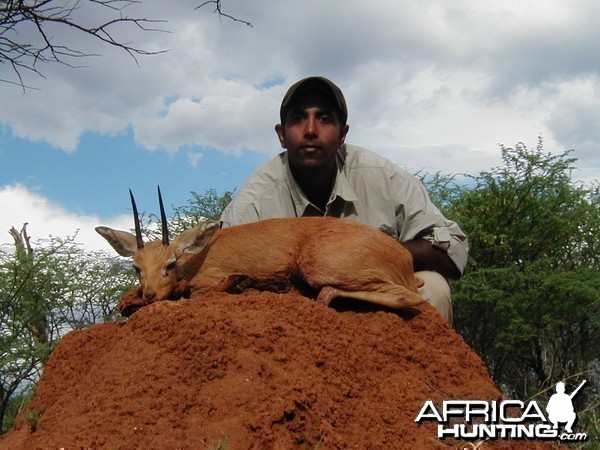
x,y
427,257
436,243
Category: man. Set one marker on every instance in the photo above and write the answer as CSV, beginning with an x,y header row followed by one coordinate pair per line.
x,y
320,175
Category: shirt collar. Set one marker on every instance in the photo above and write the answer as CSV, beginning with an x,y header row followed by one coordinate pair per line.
x,y
341,186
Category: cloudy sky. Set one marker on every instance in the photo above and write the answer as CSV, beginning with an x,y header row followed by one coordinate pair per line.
x,y
433,85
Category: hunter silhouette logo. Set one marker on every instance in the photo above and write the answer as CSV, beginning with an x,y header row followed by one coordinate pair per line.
x,y
560,407
507,419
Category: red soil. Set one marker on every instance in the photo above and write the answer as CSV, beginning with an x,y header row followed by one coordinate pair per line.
x,y
261,370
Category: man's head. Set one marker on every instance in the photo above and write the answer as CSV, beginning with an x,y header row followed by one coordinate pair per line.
x,y
325,87
313,124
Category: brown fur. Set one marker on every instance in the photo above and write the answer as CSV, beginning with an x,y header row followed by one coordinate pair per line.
x,y
328,256
322,252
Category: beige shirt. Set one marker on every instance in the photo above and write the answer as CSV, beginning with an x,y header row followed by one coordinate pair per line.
x,y
368,188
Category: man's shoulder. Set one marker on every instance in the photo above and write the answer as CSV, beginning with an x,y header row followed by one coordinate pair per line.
x,y
263,183
267,175
358,158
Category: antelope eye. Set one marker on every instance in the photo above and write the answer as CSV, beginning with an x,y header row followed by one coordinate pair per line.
x,y
172,265
137,270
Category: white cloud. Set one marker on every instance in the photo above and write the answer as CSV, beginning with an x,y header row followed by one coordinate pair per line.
x,y
434,84
44,218
226,118
194,158
576,115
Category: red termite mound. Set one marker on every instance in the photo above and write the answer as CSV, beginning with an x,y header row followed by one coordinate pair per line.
x,y
257,370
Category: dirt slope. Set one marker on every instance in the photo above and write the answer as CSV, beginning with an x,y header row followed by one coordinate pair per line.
x,y
261,370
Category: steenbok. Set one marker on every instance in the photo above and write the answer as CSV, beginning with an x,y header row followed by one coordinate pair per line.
x,y
327,256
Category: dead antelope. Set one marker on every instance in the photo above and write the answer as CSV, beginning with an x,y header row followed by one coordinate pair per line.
x,y
332,257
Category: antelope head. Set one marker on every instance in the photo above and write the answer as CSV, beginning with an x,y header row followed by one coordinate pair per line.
x,y
156,262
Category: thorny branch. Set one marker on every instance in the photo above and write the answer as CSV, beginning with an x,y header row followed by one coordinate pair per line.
x,y
27,38
34,19
219,10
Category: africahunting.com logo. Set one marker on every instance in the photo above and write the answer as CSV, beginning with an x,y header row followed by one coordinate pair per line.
x,y
509,419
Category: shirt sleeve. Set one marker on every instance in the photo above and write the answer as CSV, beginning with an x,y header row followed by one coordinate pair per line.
x,y
418,217
236,214
261,197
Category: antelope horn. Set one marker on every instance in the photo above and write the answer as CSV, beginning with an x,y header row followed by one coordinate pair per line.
x,y
136,220
163,219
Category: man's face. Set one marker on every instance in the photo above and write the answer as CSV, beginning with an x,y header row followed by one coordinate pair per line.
x,y
312,133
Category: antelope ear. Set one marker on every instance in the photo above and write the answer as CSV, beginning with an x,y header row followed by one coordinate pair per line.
x,y
124,243
196,238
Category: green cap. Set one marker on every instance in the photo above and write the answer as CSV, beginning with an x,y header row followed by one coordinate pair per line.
x,y
322,84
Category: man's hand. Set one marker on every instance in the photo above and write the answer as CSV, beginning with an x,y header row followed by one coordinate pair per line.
x,y
427,257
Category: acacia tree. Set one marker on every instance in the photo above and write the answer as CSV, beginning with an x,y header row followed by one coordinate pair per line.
x,y
200,207
529,302
49,288
28,31
46,290
32,32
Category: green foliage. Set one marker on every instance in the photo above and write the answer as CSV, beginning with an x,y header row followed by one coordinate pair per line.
x,y
527,211
16,403
222,444
52,287
33,418
46,290
443,189
209,205
529,302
